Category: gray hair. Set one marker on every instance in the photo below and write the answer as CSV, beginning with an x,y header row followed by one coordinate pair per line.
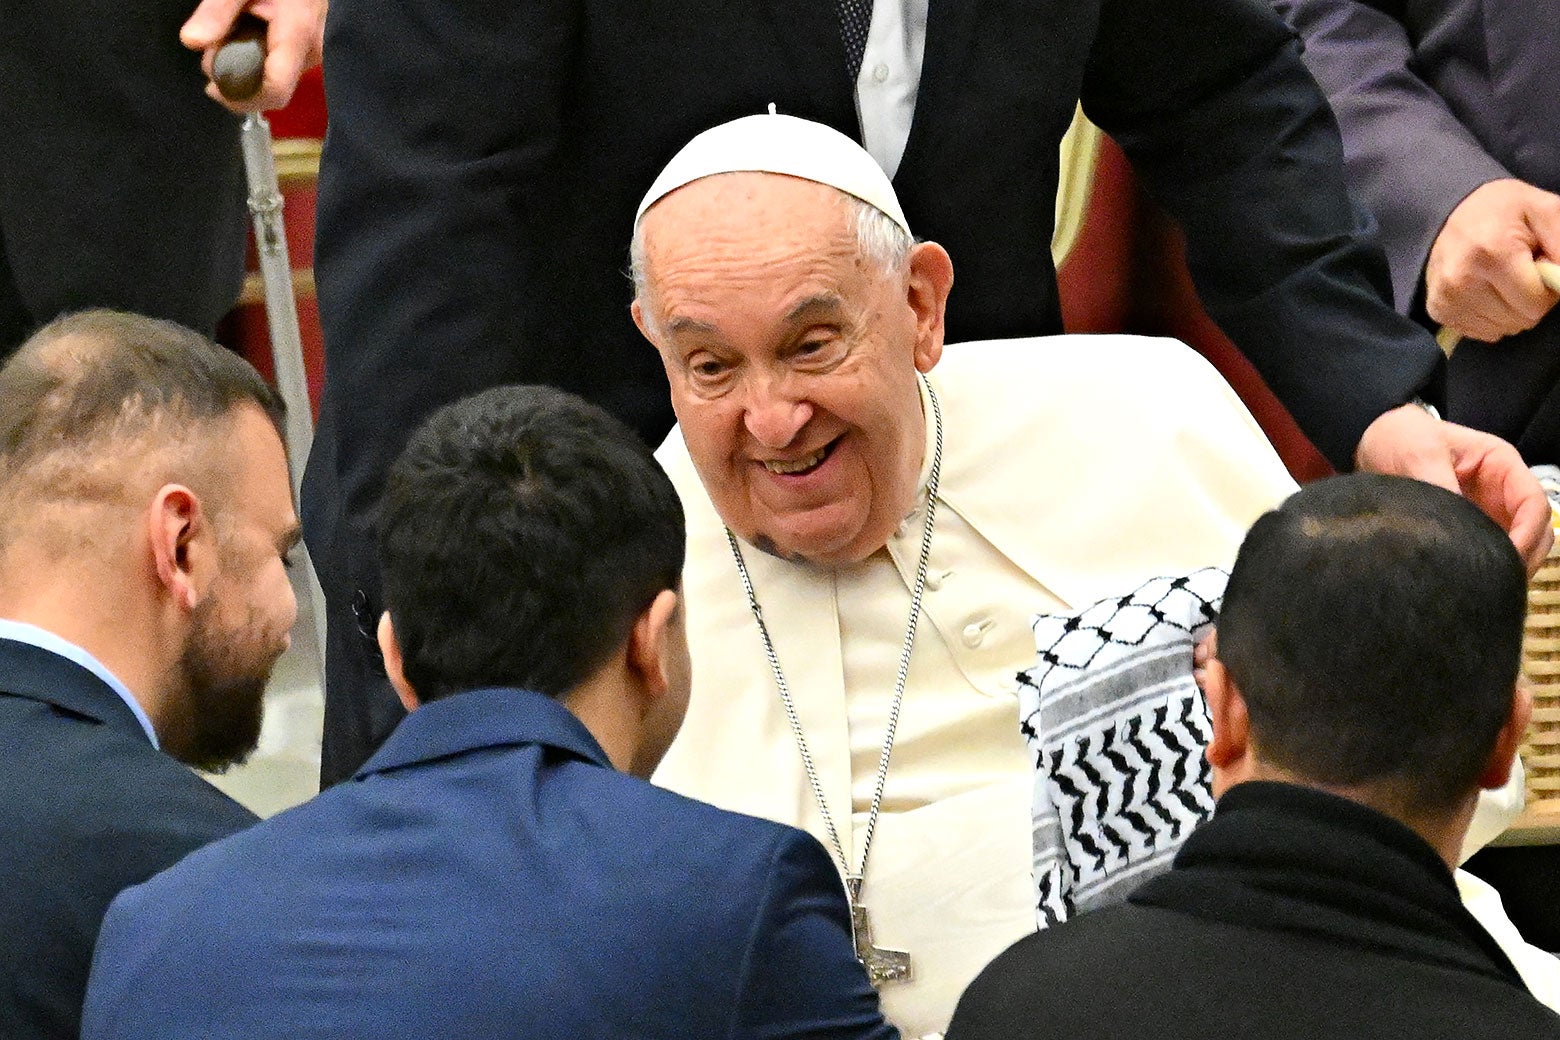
x,y
880,240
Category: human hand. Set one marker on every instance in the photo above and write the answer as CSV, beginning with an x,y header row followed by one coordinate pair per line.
x,y
1480,280
294,41
1410,442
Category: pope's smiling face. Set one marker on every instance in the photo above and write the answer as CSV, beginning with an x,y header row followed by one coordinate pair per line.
x,y
792,359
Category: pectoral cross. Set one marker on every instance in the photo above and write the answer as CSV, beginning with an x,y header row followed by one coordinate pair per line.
x,y
883,966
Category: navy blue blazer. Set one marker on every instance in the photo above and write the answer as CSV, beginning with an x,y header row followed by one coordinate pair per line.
x,y
87,807
488,874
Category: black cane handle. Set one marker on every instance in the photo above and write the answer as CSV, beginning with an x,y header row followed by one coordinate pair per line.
x,y
238,68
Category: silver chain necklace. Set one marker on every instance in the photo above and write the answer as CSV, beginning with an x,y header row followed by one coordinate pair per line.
x,y
882,965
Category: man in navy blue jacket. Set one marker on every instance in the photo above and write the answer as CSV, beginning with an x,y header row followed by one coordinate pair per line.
x,y
143,600
498,868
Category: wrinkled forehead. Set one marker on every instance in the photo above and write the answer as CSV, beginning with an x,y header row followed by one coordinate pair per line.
x,y
754,217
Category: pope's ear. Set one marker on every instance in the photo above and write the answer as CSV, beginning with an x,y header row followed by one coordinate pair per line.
x,y
927,288
638,311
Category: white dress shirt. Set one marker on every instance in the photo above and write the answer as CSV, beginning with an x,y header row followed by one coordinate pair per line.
x,y
890,74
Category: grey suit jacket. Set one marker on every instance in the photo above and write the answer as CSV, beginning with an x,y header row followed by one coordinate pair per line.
x,y
1436,97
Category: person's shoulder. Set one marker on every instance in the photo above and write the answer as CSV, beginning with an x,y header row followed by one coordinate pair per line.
x,y
230,861
232,883
163,794
94,812
1114,930
674,827
1061,977
1530,1019
1062,365
1116,393
660,803
88,776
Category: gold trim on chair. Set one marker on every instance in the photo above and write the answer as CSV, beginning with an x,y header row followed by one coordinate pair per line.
x,y
1075,185
253,292
297,160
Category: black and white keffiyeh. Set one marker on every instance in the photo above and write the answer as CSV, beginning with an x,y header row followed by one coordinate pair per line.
x,y
1117,728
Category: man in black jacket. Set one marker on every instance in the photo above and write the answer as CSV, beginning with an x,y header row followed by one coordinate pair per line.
x,y
143,601
1363,692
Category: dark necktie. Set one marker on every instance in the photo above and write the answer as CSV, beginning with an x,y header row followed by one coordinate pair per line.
x,y
855,18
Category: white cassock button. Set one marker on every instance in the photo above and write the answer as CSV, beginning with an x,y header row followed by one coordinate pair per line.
x,y
880,72
935,579
975,632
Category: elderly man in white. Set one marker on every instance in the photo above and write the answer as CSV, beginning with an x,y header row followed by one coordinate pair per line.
x,y
873,520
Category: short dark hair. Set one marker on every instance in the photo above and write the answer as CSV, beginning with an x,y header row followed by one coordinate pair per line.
x,y
96,373
522,533
1374,626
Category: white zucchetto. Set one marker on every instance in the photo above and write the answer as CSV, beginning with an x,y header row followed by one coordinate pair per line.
x,y
781,144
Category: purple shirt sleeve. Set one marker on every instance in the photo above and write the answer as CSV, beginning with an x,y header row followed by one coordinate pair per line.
x,y
1410,159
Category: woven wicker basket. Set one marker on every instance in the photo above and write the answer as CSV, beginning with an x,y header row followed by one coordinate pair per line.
x,y
1541,663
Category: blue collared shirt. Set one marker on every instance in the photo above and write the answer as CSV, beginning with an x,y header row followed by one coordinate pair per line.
x,y
43,639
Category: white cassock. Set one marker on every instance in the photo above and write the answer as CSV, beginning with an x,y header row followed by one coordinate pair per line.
x,y
1074,468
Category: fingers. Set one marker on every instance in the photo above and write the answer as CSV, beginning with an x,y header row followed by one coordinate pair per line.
x,y
210,24
1493,476
1533,533
1486,290
1480,278
1480,466
1544,221
1207,646
294,38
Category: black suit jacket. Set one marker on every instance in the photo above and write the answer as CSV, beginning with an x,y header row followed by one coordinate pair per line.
x,y
89,808
1291,915
484,161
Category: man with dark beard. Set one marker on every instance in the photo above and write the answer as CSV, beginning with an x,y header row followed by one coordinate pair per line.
x,y
143,600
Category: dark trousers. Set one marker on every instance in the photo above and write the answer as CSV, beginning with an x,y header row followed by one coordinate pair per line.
x,y
1511,388
121,183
